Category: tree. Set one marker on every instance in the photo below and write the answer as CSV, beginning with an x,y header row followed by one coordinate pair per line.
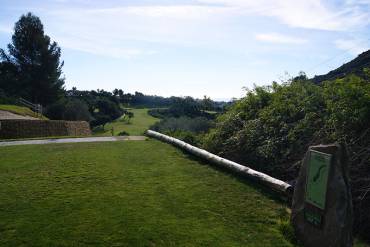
x,y
115,92
32,68
185,107
69,109
76,110
120,93
129,115
109,108
207,103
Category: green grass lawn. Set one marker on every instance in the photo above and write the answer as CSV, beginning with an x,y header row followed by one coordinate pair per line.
x,y
137,126
21,110
128,194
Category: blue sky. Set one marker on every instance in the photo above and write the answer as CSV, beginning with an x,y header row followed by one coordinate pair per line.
x,y
195,47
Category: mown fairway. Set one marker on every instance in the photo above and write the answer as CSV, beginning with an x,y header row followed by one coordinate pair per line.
x,y
128,194
137,125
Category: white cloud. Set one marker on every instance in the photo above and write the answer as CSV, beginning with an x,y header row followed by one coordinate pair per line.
x,y
312,14
352,46
103,48
107,30
279,38
121,31
192,12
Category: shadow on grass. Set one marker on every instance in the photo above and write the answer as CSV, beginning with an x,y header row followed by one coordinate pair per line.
x,y
271,194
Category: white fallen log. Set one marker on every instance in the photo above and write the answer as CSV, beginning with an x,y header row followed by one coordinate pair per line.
x,y
259,177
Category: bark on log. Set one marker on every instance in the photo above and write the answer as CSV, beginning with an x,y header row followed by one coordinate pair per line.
x,y
259,177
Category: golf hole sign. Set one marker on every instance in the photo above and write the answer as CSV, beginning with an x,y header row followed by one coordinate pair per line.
x,y
317,180
316,186
322,202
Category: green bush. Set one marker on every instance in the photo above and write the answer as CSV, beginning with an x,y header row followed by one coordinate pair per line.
x,y
195,125
271,128
184,128
6,100
76,110
69,109
98,129
123,133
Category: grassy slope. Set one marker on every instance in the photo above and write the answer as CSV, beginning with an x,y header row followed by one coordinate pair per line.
x,y
137,126
24,111
127,194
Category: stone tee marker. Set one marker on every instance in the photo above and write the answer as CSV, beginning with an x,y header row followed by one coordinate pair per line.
x,y
322,202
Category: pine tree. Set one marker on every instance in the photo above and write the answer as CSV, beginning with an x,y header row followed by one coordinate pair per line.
x,y
38,73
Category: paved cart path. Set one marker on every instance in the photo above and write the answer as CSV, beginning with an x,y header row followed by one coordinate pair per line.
x,y
74,140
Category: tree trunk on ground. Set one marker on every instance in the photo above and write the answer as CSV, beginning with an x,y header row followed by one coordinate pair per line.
x,y
259,177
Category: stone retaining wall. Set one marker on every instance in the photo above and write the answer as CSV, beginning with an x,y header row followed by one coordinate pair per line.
x,y
11,129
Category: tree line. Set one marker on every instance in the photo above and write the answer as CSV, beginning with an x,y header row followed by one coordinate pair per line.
x,y
31,68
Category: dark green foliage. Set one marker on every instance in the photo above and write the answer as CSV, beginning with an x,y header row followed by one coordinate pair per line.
x,y
103,106
76,110
8,76
68,109
32,69
100,119
195,125
271,128
185,107
158,113
140,100
5,99
109,108
184,128
261,129
186,136
348,121
188,107
105,112
185,119
98,129
56,110
130,115
123,133
207,103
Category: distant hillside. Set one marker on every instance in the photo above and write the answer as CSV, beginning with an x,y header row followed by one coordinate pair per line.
x,y
356,66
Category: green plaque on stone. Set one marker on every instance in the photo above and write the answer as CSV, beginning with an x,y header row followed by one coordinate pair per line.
x,y
322,203
317,179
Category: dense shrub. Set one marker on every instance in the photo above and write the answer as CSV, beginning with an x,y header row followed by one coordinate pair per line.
x,y
195,125
184,128
100,119
158,112
6,100
76,110
123,133
271,128
98,129
109,108
186,106
69,109
56,110
348,121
